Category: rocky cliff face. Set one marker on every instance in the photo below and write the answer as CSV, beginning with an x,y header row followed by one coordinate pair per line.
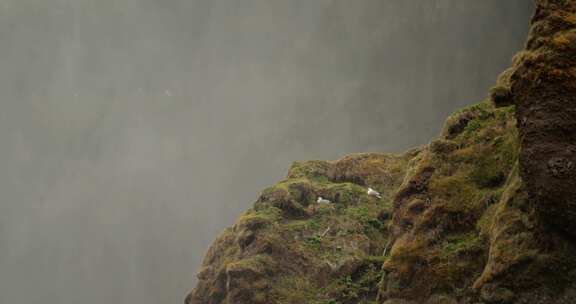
x,y
289,249
486,213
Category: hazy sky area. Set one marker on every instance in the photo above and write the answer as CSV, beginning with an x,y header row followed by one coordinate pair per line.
x,y
133,131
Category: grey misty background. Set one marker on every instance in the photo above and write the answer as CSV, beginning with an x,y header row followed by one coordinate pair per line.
x,y
133,131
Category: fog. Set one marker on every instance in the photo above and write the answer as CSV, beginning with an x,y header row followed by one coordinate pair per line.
x,y
133,131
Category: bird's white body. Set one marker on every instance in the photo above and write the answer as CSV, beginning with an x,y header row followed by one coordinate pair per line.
x,y
322,200
374,193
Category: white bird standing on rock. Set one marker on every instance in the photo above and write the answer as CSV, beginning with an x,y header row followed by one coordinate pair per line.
x,y
374,193
323,200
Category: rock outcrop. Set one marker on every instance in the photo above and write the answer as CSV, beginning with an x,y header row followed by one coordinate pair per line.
x,y
289,249
486,213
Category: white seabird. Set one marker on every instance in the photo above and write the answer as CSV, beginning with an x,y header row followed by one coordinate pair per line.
x,y
322,200
374,193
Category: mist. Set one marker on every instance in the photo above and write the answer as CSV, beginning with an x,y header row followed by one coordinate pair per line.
x,y
133,131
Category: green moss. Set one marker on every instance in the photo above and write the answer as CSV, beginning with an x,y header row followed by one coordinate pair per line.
x,y
256,219
314,240
457,191
461,243
444,246
445,238
488,173
481,107
484,224
303,225
315,170
296,289
493,162
256,264
293,186
488,148
328,301
359,287
375,259
344,193
366,217
472,131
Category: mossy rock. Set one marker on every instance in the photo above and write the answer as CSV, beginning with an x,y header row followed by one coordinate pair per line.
x,y
501,96
461,219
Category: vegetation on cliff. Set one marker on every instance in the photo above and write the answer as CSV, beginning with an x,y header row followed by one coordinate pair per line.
x,y
289,249
483,214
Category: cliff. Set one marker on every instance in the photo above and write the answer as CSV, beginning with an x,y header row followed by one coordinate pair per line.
x,y
486,213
